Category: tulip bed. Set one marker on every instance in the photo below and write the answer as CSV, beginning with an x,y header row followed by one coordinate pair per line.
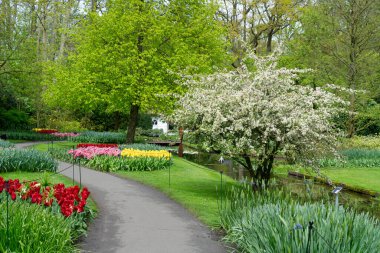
x,y
42,218
113,159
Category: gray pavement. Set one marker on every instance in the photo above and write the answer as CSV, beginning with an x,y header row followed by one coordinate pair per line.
x,y
136,218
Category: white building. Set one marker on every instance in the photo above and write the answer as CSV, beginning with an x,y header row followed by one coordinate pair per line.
x,y
160,124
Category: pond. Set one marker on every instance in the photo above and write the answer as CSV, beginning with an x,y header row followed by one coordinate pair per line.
x,y
300,188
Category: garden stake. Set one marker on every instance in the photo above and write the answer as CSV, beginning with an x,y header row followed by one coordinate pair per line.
x,y
80,175
310,227
169,176
221,188
7,193
73,166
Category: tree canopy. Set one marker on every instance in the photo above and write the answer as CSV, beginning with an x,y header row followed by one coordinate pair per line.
x,y
130,57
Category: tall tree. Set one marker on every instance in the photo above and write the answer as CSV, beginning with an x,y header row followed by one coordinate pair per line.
x,y
130,57
338,39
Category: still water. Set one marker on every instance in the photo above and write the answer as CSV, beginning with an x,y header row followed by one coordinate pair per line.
x,y
298,187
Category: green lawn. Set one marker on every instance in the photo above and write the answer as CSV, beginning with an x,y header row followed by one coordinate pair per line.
x,y
195,187
357,177
61,145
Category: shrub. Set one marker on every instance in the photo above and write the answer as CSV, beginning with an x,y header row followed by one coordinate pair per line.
x,y
33,228
13,119
6,144
26,160
271,222
100,137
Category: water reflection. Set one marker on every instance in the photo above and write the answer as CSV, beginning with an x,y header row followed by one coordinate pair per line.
x,y
298,187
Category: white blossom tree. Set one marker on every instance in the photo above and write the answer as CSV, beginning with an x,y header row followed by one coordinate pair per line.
x,y
252,116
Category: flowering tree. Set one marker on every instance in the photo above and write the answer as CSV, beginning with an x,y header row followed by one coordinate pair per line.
x,y
252,116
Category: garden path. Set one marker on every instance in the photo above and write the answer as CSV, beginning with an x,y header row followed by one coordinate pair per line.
x,y
136,218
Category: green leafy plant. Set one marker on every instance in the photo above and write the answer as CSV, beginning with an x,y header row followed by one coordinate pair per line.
x,y
354,158
108,163
26,160
272,222
100,137
33,228
141,146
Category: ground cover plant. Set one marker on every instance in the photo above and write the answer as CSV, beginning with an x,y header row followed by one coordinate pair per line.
x,y
26,160
273,222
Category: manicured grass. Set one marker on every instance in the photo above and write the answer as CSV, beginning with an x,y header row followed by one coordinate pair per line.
x,y
194,186
357,177
59,145
41,176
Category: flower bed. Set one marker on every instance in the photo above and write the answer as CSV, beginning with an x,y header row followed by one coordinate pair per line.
x,y
69,199
146,153
45,130
91,152
99,145
63,135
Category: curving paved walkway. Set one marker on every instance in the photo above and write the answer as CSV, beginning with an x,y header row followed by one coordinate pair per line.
x,y
135,218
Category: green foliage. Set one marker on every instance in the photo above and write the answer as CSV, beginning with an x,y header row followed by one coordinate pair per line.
x,y
108,163
141,146
150,132
26,160
100,137
368,121
33,228
364,142
6,144
133,54
13,119
29,136
354,158
266,222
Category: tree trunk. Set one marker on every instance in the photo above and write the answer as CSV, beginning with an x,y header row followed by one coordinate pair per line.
x,y
269,41
133,118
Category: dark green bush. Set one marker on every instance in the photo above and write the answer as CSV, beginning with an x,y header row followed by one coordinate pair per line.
x,y
14,119
26,160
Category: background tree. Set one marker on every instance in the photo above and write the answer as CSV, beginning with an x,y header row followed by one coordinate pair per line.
x,y
338,39
254,116
128,58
